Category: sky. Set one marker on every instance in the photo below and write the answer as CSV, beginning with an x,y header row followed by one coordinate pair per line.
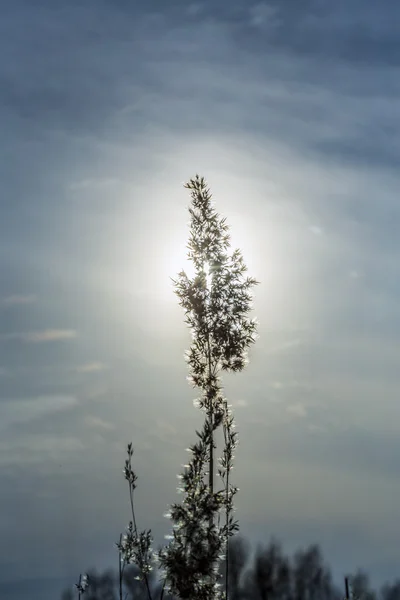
x,y
290,110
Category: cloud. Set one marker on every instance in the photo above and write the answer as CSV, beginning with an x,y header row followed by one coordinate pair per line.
x,y
297,410
24,410
18,299
34,449
316,230
263,15
98,423
242,403
288,345
94,184
38,337
165,432
93,392
92,367
194,9
354,274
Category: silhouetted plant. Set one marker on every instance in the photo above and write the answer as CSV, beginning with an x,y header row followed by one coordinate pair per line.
x,y
216,301
82,585
133,547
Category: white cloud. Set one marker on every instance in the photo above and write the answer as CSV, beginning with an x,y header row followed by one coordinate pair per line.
x,y
34,449
23,410
263,15
297,410
242,403
316,230
18,299
165,432
98,423
288,345
94,184
317,429
194,9
93,392
92,367
354,274
37,337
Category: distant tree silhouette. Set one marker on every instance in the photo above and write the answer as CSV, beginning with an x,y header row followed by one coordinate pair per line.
x,y
270,576
135,589
238,557
391,591
360,587
312,578
102,586
67,595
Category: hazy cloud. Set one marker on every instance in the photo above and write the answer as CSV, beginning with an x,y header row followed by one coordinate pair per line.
x,y
92,367
297,410
23,410
194,9
263,15
316,230
98,423
242,403
38,450
94,184
18,299
37,337
288,345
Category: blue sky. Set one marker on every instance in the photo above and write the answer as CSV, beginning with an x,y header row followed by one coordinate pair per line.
x,y
290,110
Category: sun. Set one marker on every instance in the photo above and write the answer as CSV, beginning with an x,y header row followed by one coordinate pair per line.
x,y
174,260
166,255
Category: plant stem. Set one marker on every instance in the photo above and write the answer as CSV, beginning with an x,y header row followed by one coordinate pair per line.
x,y
211,420
227,520
136,534
121,568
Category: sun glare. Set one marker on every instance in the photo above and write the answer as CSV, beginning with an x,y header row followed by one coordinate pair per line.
x,y
175,260
169,256
173,263
179,262
208,275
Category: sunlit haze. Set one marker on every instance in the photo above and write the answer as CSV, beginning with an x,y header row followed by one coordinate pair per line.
x,y
290,110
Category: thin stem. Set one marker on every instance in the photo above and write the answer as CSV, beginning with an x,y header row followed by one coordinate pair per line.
x,y
210,416
226,522
132,508
163,589
136,534
120,568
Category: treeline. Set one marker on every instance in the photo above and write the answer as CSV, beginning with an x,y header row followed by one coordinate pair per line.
x,y
269,574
